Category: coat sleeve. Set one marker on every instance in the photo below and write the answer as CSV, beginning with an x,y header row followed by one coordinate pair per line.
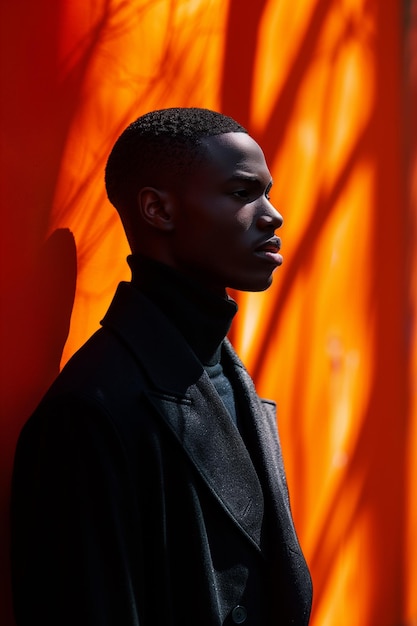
x,y
76,537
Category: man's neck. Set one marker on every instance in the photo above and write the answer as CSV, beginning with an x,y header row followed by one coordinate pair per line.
x,y
203,317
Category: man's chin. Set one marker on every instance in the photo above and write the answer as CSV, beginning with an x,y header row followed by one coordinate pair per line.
x,y
254,286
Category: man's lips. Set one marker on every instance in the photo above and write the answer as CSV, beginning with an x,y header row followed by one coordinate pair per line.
x,y
269,250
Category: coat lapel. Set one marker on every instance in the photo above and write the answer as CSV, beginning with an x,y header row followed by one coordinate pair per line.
x,y
261,418
210,439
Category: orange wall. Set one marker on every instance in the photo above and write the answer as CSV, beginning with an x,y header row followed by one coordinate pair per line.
x,y
328,88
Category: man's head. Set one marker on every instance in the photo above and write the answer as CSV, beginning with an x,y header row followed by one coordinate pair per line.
x,y
191,188
158,149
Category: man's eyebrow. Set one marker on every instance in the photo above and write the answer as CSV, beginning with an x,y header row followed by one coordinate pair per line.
x,y
248,178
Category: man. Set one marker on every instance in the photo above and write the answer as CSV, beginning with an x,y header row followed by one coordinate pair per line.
x,y
148,487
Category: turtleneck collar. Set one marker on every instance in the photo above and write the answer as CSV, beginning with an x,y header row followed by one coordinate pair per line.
x,y
202,317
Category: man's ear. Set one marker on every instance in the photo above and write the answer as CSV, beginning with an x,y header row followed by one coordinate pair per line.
x,y
156,208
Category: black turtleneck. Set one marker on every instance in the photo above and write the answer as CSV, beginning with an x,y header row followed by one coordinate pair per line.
x,y
201,316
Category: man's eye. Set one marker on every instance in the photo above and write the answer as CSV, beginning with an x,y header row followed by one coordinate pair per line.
x,y
242,194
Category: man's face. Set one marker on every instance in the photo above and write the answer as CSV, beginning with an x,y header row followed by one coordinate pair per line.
x,y
225,223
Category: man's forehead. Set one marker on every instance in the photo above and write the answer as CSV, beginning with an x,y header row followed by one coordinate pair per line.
x,y
239,142
235,154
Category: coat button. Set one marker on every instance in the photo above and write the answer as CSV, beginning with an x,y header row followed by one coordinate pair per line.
x,y
239,614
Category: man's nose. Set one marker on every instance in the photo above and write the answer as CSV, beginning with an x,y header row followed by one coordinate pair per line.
x,y
270,218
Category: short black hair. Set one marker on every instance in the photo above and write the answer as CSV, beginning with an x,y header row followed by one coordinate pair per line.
x,y
160,145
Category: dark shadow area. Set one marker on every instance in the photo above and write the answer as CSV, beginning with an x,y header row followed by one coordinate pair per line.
x,y
35,319
35,322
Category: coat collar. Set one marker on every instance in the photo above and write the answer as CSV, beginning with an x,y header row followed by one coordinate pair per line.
x,y
183,395
186,400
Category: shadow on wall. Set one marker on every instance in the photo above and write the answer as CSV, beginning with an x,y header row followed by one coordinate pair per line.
x,y
36,317
36,324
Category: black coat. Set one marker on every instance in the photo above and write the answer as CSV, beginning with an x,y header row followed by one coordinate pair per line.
x,y
135,501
